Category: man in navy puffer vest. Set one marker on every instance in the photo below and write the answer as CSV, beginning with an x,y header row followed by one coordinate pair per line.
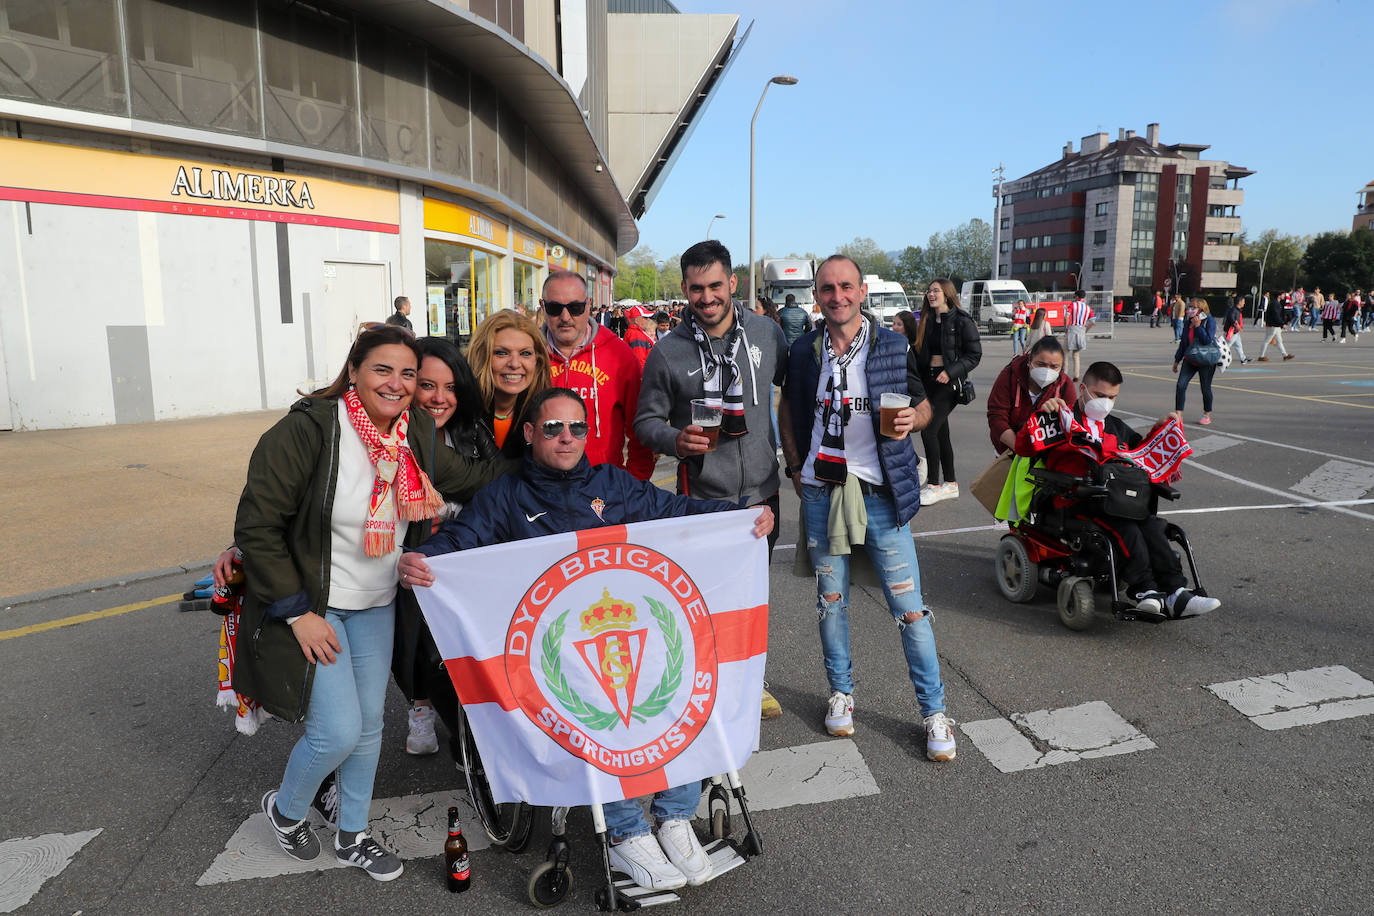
x,y
858,486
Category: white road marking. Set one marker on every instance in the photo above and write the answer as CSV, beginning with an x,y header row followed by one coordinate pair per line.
x,y
1337,480
1062,736
1276,492
1209,444
27,863
412,826
1278,701
1301,505
807,774
1296,448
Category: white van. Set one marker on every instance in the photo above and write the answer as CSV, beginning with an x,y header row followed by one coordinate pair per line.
x,y
885,299
991,302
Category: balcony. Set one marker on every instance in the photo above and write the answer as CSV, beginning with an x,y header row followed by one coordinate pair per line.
x,y
1221,252
1218,280
1222,224
1226,197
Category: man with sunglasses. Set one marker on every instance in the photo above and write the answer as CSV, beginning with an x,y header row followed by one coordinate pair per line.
x,y
556,491
587,357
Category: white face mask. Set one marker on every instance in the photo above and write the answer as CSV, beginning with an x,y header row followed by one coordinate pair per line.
x,y
1043,375
1097,409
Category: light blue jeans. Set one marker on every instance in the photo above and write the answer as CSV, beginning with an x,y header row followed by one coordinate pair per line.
x,y
343,724
1018,341
625,819
893,552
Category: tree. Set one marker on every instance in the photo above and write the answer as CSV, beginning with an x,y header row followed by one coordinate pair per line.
x,y
910,268
870,258
1339,262
1282,269
962,253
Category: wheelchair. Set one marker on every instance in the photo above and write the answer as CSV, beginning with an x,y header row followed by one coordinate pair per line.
x,y
1049,546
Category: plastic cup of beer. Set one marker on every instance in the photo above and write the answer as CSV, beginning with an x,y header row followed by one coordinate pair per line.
x,y
707,415
890,403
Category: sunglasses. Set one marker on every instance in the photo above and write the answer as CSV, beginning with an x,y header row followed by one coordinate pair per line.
x,y
554,309
552,429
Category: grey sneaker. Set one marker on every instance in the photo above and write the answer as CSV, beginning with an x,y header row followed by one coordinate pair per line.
x,y
296,840
371,857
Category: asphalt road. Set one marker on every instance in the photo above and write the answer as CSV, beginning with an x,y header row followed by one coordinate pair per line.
x,y
110,723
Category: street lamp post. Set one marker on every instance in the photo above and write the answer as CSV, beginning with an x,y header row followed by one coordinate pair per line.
x,y
712,223
781,80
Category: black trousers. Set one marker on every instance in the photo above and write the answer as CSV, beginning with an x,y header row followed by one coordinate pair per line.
x,y
1328,327
935,437
1348,323
1148,561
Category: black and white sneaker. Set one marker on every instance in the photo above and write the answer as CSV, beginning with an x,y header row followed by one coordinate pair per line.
x,y
1183,603
368,854
1148,601
326,802
296,840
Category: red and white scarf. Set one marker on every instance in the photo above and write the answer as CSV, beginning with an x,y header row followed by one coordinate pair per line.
x,y
415,497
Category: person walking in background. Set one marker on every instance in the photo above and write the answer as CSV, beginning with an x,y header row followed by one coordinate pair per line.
x,y
1350,310
1199,328
1274,320
1233,324
400,318
1330,310
1076,323
1039,326
1020,319
641,333
1176,309
793,320
946,349
1158,314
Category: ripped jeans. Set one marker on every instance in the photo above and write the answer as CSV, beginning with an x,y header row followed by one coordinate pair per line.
x,y
893,553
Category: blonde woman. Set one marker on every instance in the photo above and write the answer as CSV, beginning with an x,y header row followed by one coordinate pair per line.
x,y
511,362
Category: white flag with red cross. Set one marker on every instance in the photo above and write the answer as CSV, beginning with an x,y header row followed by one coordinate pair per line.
x,y
609,663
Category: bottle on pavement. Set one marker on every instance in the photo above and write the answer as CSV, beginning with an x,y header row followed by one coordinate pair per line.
x,y
456,856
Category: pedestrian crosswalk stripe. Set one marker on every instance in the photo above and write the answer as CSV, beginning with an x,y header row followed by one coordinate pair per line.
x,y
1337,480
1277,701
28,862
1049,737
808,774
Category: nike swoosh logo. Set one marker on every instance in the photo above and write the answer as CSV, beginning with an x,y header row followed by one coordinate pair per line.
x,y
530,518
694,371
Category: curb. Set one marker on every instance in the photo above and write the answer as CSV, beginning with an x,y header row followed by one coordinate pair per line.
x,y
65,591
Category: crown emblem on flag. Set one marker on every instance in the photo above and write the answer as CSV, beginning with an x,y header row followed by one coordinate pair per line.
x,y
608,613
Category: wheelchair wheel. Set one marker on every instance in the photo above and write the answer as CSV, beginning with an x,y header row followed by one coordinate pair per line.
x,y
500,822
1017,576
1077,606
548,885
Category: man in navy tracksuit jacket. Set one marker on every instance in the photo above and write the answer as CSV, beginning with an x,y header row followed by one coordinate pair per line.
x,y
558,491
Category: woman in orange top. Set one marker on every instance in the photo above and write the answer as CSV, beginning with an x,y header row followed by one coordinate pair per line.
x,y
511,362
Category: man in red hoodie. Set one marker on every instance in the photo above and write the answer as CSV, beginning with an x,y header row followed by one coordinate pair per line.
x,y
588,357
1023,383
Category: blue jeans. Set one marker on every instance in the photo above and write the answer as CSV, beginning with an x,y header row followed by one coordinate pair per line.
x,y
1018,341
1178,328
893,552
625,819
1186,371
343,724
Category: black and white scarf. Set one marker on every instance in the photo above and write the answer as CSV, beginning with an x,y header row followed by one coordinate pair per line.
x,y
722,374
830,465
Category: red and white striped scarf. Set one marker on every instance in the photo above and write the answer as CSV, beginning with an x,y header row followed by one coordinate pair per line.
x,y
415,497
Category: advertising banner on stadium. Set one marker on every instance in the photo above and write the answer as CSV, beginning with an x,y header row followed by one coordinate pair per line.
x,y
610,663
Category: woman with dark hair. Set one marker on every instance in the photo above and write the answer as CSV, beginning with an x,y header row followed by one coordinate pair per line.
x,y
905,323
333,491
946,349
510,360
445,389
1039,327
765,307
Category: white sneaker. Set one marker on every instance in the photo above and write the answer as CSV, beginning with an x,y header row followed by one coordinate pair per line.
x,y
939,737
420,738
683,849
839,714
1192,605
949,490
642,859
932,493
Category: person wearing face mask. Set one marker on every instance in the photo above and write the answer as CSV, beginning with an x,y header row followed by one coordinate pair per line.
x,y
1149,567
1021,385
1199,327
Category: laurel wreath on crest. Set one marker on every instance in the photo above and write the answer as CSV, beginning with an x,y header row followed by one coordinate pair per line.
x,y
600,719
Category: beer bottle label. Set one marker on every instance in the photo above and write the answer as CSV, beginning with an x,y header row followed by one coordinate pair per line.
x,y
461,870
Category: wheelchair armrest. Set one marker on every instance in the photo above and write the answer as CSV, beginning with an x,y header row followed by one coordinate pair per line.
x,y
1165,491
1054,479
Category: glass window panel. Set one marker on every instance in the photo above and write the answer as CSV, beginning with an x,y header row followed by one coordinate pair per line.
x,y
392,75
44,59
485,117
310,78
194,63
449,119
513,178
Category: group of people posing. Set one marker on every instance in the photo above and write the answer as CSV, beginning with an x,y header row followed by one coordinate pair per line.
x,y
415,450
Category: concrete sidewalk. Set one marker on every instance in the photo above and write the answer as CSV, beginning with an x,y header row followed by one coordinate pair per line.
x,y
87,505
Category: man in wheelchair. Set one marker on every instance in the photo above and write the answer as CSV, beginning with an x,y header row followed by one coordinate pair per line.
x,y
1084,443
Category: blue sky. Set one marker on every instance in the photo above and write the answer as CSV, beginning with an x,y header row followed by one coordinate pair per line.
x,y
904,109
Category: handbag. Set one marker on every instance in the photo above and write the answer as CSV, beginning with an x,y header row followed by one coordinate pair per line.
x,y
1203,354
987,487
964,392
1128,490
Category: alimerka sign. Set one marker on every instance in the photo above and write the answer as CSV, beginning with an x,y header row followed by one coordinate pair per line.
x,y
243,187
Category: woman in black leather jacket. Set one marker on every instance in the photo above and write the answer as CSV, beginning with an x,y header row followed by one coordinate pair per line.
x,y
946,349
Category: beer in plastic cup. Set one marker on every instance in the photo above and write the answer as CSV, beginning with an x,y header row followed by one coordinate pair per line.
x,y
707,415
890,403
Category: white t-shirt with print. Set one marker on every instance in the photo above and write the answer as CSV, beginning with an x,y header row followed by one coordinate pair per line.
x,y
860,442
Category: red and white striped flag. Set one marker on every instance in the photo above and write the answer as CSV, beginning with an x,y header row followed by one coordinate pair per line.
x,y
609,663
